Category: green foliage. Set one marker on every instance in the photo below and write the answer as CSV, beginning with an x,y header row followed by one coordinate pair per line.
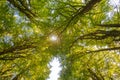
x,y
88,38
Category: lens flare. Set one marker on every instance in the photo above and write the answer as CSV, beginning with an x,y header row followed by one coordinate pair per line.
x,y
53,38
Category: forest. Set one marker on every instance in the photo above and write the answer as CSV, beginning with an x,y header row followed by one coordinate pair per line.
x,y
83,34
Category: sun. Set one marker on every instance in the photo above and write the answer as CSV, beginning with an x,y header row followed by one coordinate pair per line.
x,y
53,38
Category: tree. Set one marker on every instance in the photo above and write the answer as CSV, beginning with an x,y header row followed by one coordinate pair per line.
x,y
88,39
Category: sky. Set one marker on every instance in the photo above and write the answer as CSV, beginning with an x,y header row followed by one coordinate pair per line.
x,y
55,69
115,2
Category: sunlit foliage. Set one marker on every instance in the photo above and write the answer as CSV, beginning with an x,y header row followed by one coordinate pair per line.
x,y
83,34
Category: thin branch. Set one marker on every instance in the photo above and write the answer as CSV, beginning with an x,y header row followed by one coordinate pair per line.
x,y
109,25
5,71
99,35
106,49
23,8
16,48
81,54
82,11
12,57
93,74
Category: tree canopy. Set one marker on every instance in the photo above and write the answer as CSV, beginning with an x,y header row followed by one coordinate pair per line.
x,y
83,34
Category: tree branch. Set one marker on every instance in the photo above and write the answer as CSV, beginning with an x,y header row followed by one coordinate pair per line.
x,y
106,49
109,25
16,48
99,35
82,11
22,7
93,75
